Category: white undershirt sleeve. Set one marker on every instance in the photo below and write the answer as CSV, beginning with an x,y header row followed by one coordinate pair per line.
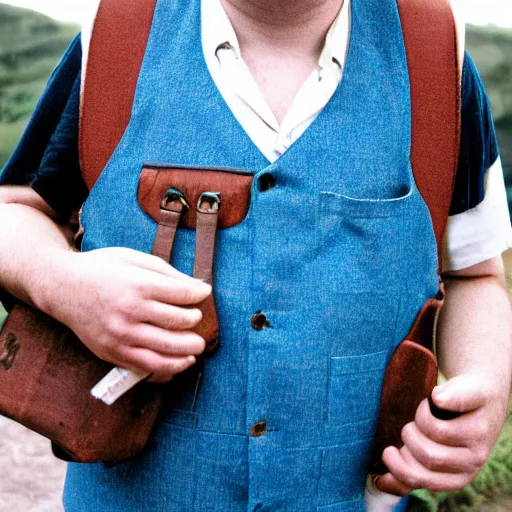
x,y
483,232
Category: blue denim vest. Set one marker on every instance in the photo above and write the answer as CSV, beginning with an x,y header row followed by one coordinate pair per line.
x,y
339,256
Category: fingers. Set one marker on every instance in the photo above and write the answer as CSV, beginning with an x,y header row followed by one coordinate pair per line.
x,y
438,457
169,317
445,455
466,431
411,473
162,368
170,343
179,292
146,261
463,393
388,483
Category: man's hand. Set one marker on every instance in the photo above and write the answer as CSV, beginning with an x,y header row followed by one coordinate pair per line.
x,y
129,308
445,455
474,351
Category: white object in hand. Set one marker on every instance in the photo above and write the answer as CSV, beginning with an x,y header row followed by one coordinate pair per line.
x,y
115,384
378,501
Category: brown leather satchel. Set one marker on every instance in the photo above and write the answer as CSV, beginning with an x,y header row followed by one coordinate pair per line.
x,y
46,373
45,379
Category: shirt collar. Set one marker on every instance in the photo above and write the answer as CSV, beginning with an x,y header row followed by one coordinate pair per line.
x,y
218,33
337,39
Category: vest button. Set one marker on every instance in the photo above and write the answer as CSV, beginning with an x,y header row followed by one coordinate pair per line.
x,y
259,321
266,182
259,429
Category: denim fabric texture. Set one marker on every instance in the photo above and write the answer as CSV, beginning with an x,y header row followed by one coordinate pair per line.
x,y
340,256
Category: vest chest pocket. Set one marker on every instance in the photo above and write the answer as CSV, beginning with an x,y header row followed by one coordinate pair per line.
x,y
355,384
359,241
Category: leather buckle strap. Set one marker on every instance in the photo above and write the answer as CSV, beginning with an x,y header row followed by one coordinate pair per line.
x,y
172,207
208,207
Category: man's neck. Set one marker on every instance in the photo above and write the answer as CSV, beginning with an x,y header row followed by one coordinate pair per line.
x,y
297,26
281,42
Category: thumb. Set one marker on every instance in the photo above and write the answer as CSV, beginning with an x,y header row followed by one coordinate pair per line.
x,y
463,393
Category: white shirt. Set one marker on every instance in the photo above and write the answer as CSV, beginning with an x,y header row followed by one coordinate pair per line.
x,y
474,236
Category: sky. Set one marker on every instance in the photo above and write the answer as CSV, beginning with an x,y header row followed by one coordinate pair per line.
x,y
481,12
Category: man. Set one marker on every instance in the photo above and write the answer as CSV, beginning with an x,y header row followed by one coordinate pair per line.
x,y
283,415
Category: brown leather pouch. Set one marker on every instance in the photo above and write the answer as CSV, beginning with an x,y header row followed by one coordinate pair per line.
x,y
409,378
46,373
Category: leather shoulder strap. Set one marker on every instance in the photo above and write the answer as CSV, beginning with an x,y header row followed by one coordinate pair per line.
x,y
118,44
431,42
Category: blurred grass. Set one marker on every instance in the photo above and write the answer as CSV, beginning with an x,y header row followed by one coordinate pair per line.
x,y
30,47
9,135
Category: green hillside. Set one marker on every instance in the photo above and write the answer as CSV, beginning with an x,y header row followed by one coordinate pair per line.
x,y
491,48
30,46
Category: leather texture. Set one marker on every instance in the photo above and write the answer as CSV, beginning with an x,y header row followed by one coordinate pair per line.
x,y
166,232
111,78
205,225
235,189
45,386
410,378
431,43
206,229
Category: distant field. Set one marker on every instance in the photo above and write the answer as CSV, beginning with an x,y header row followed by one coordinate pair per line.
x,y
30,47
491,49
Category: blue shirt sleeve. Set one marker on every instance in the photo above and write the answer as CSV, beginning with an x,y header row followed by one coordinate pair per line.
x,y
46,156
478,143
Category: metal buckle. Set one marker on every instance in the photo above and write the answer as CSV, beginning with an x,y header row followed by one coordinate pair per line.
x,y
209,202
173,195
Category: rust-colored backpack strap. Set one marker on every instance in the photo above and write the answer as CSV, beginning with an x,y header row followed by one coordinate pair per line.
x,y
433,60
118,44
431,43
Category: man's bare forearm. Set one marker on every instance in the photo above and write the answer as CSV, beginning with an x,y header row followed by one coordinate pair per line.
x,y
475,332
31,244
